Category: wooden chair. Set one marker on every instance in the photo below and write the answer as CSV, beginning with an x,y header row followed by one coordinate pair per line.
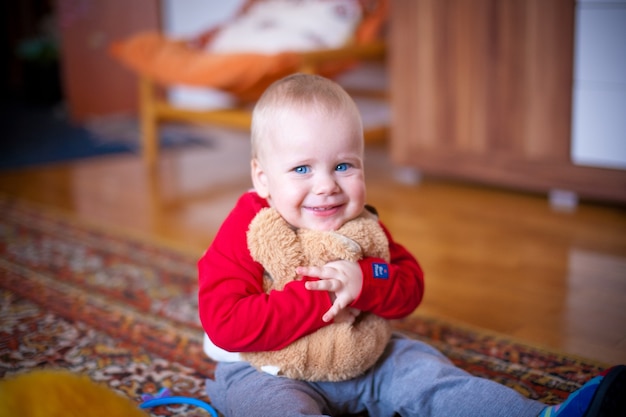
x,y
161,62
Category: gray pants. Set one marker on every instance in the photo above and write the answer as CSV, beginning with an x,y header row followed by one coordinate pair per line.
x,y
410,379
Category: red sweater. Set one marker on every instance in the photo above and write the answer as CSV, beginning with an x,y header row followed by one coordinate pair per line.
x,y
239,317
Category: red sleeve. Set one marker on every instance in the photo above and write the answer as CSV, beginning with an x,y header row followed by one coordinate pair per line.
x,y
391,290
235,312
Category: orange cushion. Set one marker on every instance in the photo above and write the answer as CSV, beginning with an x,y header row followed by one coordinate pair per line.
x,y
171,62
246,75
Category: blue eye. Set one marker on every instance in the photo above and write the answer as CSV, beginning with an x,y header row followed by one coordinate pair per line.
x,y
302,169
342,167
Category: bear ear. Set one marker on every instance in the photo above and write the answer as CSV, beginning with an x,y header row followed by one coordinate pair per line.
x,y
371,210
368,233
320,247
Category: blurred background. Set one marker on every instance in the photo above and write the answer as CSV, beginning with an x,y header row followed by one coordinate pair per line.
x,y
503,167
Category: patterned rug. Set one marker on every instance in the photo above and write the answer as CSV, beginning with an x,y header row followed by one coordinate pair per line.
x,y
124,311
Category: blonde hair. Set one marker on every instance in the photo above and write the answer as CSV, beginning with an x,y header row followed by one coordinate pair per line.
x,y
299,91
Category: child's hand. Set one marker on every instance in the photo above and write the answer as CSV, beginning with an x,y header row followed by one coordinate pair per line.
x,y
344,279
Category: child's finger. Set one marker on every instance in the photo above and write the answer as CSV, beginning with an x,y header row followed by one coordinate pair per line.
x,y
313,271
331,285
338,305
331,313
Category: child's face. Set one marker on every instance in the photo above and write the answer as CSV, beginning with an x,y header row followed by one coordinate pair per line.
x,y
311,169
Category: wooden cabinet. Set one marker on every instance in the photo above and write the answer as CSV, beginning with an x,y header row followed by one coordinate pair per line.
x,y
482,90
93,83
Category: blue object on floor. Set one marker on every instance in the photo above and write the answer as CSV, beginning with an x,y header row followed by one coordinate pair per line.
x,y
33,135
179,400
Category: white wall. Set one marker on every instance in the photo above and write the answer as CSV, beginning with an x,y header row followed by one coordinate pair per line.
x,y
188,18
599,96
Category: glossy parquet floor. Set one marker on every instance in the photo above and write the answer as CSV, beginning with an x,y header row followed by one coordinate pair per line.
x,y
494,259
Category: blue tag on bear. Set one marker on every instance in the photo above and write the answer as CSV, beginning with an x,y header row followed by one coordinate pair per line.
x,y
380,271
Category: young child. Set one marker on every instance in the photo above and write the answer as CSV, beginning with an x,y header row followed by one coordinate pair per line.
x,y
307,163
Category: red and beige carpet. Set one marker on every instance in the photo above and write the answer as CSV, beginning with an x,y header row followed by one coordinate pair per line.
x,y
123,311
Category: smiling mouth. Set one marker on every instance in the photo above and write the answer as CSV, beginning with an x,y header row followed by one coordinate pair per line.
x,y
325,210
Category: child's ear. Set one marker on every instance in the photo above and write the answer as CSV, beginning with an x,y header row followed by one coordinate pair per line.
x,y
259,179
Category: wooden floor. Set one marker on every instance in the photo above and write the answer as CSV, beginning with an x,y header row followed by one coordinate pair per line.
x,y
494,259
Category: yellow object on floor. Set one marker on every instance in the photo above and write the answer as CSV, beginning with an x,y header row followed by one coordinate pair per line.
x,y
56,393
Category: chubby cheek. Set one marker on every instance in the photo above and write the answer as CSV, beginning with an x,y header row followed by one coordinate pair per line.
x,y
358,196
288,203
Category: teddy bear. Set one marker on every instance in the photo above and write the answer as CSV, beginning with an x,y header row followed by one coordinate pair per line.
x,y
338,351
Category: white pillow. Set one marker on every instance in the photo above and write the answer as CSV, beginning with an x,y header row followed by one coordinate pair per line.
x,y
272,26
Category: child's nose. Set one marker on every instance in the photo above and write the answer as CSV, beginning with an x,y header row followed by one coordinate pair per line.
x,y
325,184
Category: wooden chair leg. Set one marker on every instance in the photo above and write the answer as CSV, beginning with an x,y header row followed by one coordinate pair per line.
x,y
148,121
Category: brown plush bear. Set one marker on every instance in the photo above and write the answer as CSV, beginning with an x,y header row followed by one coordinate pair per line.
x,y
338,351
